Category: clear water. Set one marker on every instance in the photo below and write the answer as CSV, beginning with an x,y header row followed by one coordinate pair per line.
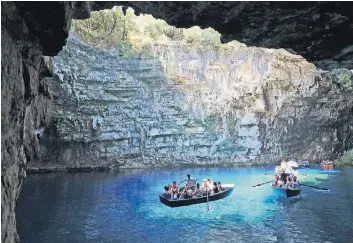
x,y
124,207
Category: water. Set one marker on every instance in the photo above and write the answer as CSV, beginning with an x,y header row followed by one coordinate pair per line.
x,y
124,207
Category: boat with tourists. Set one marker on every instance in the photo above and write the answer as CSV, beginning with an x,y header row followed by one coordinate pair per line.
x,y
228,189
284,185
194,193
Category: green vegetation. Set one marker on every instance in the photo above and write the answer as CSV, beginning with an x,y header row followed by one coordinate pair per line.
x,y
345,159
134,34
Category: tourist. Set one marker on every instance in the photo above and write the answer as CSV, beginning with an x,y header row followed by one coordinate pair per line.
x,y
220,188
283,177
281,183
204,185
167,193
209,185
174,189
198,191
190,182
289,182
215,187
295,183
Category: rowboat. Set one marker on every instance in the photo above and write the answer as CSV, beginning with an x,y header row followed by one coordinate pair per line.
x,y
228,189
286,192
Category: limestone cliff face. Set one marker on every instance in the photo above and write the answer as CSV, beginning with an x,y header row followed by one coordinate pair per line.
x,y
177,104
25,108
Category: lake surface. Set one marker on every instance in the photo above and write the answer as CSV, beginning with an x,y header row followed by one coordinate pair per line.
x,y
123,206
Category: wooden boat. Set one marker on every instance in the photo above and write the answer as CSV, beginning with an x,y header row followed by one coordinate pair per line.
x,y
286,192
191,201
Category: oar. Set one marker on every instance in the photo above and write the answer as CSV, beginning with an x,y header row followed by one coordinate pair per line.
x,y
321,188
208,206
303,174
185,180
268,172
261,184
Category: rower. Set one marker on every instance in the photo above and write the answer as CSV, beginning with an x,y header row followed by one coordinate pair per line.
x,y
190,183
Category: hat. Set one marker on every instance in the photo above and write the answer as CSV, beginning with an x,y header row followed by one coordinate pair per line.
x,y
204,180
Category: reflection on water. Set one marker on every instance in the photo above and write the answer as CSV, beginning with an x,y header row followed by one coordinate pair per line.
x,y
124,206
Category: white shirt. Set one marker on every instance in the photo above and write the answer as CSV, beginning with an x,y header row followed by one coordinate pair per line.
x,y
190,182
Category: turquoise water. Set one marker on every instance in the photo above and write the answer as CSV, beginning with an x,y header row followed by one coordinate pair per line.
x,y
123,206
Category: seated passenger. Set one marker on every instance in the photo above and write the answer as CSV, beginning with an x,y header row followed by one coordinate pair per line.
x,y
295,182
184,194
204,185
209,185
189,193
220,188
215,187
174,188
289,182
280,183
198,191
167,194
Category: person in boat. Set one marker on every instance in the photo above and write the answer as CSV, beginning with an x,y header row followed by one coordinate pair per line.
x,y
167,193
174,189
185,193
204,186
295,182
283,177
215,187
198,191
220,188
209,185
289,182
190,182
280,181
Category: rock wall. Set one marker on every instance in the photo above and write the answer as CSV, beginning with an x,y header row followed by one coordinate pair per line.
x,y
176,104
31,29
25,107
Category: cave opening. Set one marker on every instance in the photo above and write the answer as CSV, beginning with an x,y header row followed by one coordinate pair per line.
x,y
142,102
134,89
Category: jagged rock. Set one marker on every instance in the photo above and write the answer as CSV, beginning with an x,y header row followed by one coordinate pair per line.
x,y
319,31
25,107
236,104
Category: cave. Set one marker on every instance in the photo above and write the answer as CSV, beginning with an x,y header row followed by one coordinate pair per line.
x,y
313,121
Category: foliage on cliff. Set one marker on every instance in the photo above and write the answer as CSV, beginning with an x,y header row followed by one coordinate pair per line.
x,y
112,28
345,159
